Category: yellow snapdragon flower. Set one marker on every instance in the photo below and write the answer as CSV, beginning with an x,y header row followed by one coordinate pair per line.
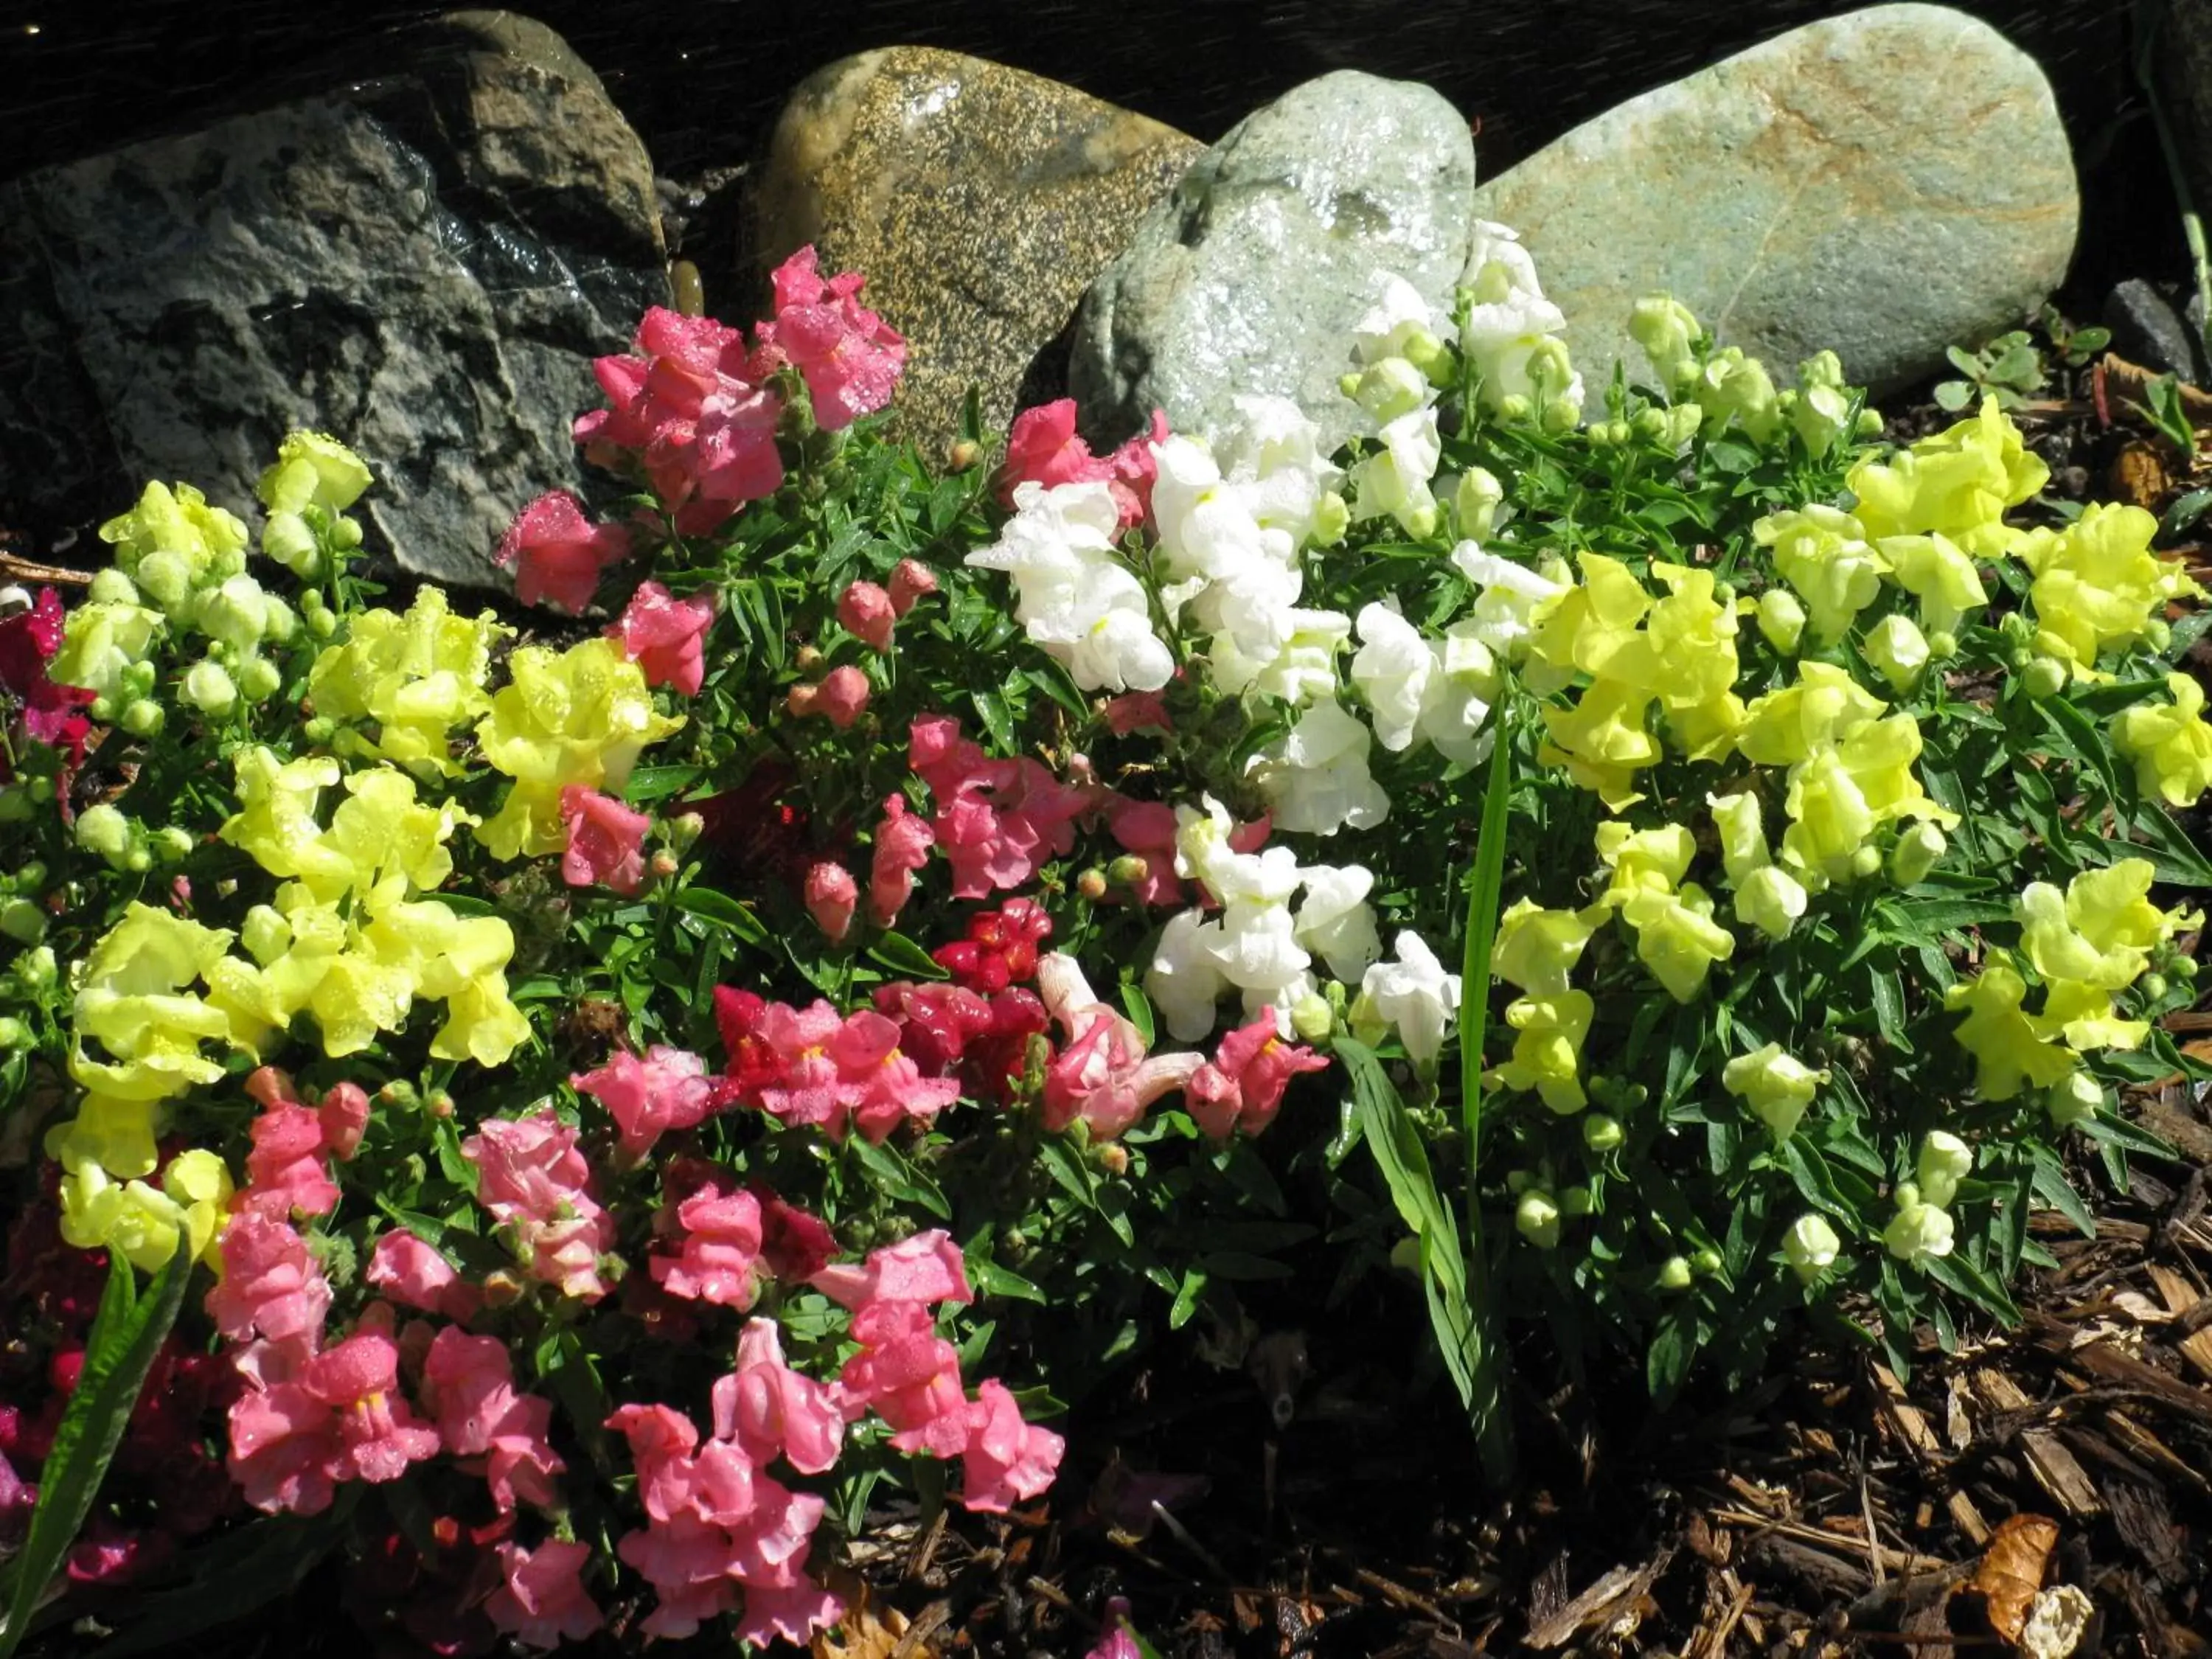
x,y
1641,859
2098,586
2101,930
278,824
146,1222
1787,726
2084,1016
1548,1050
2171,743
1839,795
1676,937
313,469
1536,949
133,1001
418,675
100,640
1823,554
173,542
1776,1085
1767,897
2011,1050
1936,571
117,1136
579,716
1603,741
1956,482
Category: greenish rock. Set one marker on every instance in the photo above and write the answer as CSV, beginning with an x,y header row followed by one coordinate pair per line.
x,y
978,200
423,264
1883,184
1251,276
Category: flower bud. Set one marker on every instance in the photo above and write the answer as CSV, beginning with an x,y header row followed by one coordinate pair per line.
x,y
1781,619
1092,884
345,534
501,1289
831,895
867,614
322,622
1943,643
1476,501
1916,854
171,845
1312,1018
1918,1230
209,689
439,1105
1332,518
287,539
964,455
142,719
662,865
684,830
1112,1157
1603,1133
1706,1262
13,1035
1514,408
2044,677
806,659
102,830
321,729
14,804
1129,870
1537,1219
258,679
911,580
164,577
1865,861
138,861
842,696
1944,1161
1667,332
1387,388
2074,1097
2153,986
1896,647
38,968
112,586
2182,968
137,680
22,921
1561,414
1674,1273
1810,1247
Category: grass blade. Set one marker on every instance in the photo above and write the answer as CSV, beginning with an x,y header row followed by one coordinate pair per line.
x,y
125,1334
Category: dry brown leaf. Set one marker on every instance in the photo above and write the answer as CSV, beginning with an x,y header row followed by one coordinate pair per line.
x,y
2012,1570
863,1633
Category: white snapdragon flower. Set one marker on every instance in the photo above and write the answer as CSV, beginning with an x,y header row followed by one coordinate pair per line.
x,y
1394,478
1185,980
1259,953
1102,630
1394,670
1335,921
1399,317
1274,454
1414,996
1507,596
1206,525
1460,696
1071,593
1255,605
1315,778
1512,330
1302,672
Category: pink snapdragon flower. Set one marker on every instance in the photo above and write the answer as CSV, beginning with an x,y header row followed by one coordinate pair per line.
x,y
849,356
1101,1073
831,897
908,1376
1147,830
1137,711
668,1089
720,1257
541,1601
997,820
530,1176
925,1266
29,641
286,1170
270,1286
866,613
769,1409
796,1042
1008,1459
415,1274
283,1444
666,636
689,409
344,1113
557,555
824,1069
1043,447
606,841
911,581
903,842
1242,1086
378,1433
468,1385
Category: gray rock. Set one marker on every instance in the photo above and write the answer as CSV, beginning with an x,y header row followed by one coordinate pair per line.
x,y
2147,329
978,200
423,265
1250,276
1886,184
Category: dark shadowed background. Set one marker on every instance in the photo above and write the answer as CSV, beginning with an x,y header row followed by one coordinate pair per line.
x,y
700,80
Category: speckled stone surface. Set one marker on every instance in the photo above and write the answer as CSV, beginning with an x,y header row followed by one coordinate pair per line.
x,y
1250,277
1886,184
979,201
424,264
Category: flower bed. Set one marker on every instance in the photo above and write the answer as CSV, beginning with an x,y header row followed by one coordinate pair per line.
x,y
570,1118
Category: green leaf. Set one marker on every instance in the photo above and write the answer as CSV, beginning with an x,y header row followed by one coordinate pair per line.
x,y
236,1574
1484,895
2053,1187
902,955
708,905
892,1175
991,1280
125,1332
648,784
